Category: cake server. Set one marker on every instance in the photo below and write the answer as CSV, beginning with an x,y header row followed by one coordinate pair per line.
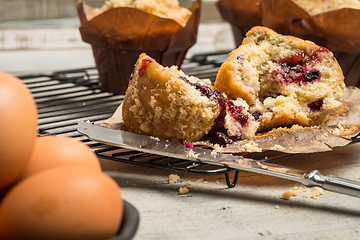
x,y
167,148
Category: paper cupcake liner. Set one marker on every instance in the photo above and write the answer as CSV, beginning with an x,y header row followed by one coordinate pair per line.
x,y
335,30
241,15
350,64
118,36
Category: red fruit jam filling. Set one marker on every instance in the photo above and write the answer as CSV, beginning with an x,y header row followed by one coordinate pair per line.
x,y
188,145
213,95
143,66
217,135
316,105
296,68
257,114
221,139
236,111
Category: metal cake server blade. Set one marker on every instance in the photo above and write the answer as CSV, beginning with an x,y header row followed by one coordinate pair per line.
x,y
167,148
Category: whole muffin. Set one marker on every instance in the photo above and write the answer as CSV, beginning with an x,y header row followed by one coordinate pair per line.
x,y
284,79
121,30
314,7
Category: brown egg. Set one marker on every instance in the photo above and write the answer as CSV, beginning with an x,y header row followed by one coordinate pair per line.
x,y
55,151
18,127
68,202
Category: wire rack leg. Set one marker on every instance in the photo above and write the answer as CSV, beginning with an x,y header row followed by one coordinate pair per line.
x,y
236,177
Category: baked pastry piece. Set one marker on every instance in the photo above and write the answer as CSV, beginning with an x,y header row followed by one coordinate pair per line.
x,y
314,7
165,103
284,79
239,122
162,8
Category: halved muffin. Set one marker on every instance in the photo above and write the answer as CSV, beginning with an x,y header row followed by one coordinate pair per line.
x,y
284,79
166,103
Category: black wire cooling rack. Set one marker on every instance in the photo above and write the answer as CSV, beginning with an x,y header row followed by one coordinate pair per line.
x,y
65,97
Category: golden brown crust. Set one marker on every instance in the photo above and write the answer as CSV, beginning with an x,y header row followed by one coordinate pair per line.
x,y
160,103
226,83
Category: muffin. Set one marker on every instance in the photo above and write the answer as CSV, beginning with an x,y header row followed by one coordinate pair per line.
x,y
163,102
328,23
166,103
314,7
285,80
121,29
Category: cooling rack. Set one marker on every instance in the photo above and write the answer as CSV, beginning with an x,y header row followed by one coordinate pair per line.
x,y
65,97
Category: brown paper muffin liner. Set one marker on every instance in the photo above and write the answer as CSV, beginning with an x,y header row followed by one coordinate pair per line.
x,y
118,36
335,30
242,16
337,130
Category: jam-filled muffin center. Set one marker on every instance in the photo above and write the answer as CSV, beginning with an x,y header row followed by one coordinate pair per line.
x,y
212,95
237,113
298,68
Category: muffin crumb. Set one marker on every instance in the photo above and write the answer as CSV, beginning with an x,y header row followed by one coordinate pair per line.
x,y
286,195
303,191
173,178
251,147
183,190
277,147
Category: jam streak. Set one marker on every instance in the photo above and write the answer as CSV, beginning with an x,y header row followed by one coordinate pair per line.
x,y
236,111
143,66
188,145
257,114
213,95
296,68
221,139
316,105
216,135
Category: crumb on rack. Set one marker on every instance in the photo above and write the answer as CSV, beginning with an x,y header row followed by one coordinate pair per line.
x,y
188,183
217,148
251,147
213,153
277,207
183,190
155,138
277,147
200,180
191,154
